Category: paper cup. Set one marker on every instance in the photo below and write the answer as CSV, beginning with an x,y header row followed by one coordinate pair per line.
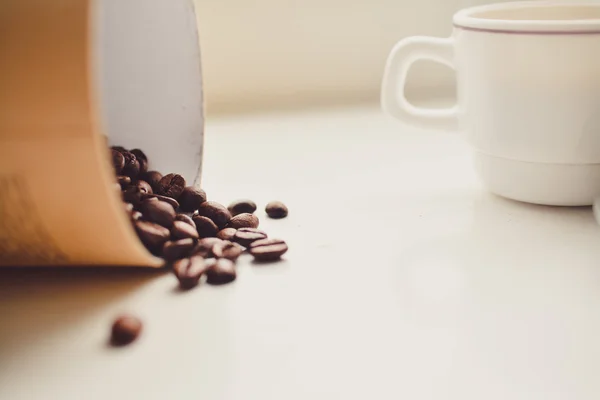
x,y
73,73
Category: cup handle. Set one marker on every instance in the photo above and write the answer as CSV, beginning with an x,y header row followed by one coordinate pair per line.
x,y
403,55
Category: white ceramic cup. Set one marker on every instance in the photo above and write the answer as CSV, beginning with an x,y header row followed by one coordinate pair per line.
x,y
528,87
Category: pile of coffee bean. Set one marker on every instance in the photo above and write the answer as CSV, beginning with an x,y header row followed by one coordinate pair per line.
x,y
196,237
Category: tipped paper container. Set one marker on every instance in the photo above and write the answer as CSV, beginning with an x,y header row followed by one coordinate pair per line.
x,y
73,72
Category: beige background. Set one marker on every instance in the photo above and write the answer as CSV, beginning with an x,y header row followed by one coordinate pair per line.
x,y
265,53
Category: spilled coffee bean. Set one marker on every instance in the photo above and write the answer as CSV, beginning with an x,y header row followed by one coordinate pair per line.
x,y
205,246
243,221
268,249
227,234
220,272
189,271
158,211
216,212
186,218
166,199
242,207
205,226
191,198
227,249
171,185
276,210
183,230
125,330
173,251
153,178
245,236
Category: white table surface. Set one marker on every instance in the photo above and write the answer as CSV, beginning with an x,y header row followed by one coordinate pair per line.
x,y
404,280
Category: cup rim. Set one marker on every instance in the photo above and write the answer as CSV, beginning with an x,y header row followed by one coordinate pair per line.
x,y
467,19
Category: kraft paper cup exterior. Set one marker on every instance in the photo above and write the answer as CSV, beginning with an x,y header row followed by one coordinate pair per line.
x,y
73,73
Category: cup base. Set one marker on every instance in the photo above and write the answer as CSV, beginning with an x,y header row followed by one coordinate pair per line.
x,y
539,183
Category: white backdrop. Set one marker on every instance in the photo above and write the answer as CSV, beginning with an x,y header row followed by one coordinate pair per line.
x,y
267,53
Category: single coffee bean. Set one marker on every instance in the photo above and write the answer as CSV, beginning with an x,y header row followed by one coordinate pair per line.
x,y
226,249
191,198
124,181
132,166
205,226
204,247
166,199
245,236
179,249
133,195
242,207
144,186
118,161
125,330
276,210
185,218
139,154
171,185
183,230
243,221
152,177
189,271
158,211
119,149
227,233
220,272
268,249
152,235
215,211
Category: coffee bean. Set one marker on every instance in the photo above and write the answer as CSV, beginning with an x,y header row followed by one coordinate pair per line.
x,y
144,186
152,235
189,271
226,249
118,161
204,247
243,221
242,207
152,177
132,166
119,149
133,195
166,199
191,198
205,226
179,249
185,218
276,210
227,233
220,272
215,211
245,236
171,185
158,211
124,181
183,230
139,154
268,249
125,330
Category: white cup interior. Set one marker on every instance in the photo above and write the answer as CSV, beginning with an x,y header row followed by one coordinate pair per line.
x,y
149,80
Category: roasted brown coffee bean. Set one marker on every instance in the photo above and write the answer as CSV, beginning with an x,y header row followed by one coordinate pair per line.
x,y
245,236
125,330
118,161
158,211
183,230
171,185
185,218
243,221
226,249
204,247
119,149
215,211
276,209
191,198
166,199
152,235
189,271
268,249
205,226
133,195
242,207
124,181
227,233
152,177
132,166
144,186
220,272
139,154
179,249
